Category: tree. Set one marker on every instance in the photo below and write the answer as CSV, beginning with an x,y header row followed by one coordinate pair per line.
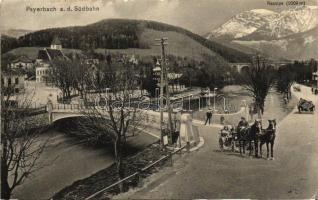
x,y
112,119
63,75
148,81
285,78
83,73
258,80
21,147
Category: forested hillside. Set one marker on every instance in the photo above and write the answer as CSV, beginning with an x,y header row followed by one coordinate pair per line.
x,y
114,34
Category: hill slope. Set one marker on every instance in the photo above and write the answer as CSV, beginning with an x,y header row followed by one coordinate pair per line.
x,y
128,34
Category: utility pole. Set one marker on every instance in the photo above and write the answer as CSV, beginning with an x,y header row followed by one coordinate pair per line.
x,y
164,83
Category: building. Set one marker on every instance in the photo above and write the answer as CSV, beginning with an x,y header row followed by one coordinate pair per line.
x,y
43,74
12,79
43,62
173,78
23,62
56,44
133,60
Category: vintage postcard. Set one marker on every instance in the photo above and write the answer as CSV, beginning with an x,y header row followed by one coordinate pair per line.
x,y
159,99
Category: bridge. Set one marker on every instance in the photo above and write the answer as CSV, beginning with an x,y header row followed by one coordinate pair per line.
x,y
61,111
240,66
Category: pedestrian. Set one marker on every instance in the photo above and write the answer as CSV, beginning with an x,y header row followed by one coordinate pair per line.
x,y
208,116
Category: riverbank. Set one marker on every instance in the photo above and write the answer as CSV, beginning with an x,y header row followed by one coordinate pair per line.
x,y
68,159
81,189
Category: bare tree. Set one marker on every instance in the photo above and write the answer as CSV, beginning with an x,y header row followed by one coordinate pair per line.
x,y
83,73
21,148
114,119
258,80
63,75
285,78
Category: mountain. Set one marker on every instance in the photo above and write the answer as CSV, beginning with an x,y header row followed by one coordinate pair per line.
x,y
133,35
7,43
15,32
290,34
298,46
288,22
243,24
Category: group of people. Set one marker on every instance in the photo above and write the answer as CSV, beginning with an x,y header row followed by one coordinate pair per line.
x,y
243,124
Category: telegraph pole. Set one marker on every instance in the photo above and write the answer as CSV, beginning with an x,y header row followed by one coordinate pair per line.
x,y
164,84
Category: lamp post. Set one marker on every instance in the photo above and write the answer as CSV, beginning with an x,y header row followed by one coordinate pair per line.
x,y
190,102
214,98
130,95
224,102
107,97
157,96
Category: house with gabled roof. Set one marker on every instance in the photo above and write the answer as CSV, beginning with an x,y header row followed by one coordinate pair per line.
x,y
22,62
45,56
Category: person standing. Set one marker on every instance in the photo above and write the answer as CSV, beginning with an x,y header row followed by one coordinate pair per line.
x,y
208,116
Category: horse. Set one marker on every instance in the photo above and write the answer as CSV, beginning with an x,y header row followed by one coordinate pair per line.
x,y
247,135
268,136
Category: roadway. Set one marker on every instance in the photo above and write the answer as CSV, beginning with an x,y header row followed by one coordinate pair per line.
x,y
210,173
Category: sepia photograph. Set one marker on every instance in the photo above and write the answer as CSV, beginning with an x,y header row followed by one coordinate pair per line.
x,y
159,99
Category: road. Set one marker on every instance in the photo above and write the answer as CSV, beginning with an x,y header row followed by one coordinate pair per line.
x,y
209,173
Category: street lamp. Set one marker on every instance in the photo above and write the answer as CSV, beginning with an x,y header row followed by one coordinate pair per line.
x,y
199,104
190,102
130,95
157,96
107,97
224,102
214,98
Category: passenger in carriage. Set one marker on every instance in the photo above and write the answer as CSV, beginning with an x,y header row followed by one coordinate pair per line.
x,y
243,124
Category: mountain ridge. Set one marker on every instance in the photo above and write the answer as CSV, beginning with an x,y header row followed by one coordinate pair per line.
x,y
120,34
292,33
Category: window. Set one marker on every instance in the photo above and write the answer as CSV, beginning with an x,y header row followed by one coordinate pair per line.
x,y
9,81
17,80
16,90
2,81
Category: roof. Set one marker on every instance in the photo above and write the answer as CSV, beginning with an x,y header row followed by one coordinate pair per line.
x,y
50,54
22,59
56,41
157,69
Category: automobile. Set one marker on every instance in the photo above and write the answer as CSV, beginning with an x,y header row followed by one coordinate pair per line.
x,y
305,106
297,88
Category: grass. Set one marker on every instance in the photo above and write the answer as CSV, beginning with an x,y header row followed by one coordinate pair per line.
x,y
178,45
32,52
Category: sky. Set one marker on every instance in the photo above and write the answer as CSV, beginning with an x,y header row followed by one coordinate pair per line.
x,y
199,16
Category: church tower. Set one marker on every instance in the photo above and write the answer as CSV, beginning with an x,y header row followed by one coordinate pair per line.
x,y
56,44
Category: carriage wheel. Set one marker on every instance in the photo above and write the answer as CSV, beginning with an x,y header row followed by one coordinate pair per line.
x,y
221,145
233,146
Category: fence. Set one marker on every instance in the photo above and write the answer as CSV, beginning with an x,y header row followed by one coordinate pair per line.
x,y
139,173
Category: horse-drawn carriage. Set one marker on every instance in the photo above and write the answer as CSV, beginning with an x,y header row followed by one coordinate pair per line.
x,y
228,138
305,105
250,138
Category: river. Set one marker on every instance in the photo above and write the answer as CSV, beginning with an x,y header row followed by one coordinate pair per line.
x,y
66,160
